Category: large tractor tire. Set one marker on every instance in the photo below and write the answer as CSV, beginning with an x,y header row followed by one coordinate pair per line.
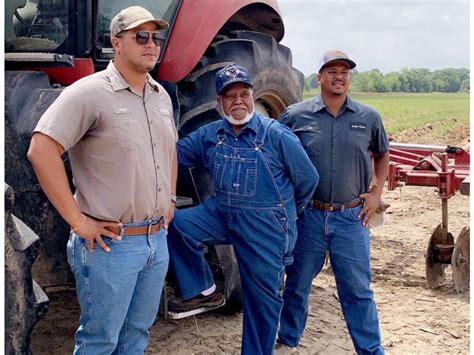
x,y
25,301
35,257
27,97
276,85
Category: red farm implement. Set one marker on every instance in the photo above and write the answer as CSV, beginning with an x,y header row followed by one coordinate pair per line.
x,y
447,169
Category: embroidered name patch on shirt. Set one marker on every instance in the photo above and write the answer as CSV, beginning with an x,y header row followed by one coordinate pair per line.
x,y
121,110
359,126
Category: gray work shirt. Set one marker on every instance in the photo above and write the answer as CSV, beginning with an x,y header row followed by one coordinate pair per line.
x,y
120,145
341,147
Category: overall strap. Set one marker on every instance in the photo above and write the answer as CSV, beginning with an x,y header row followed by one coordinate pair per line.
x,y
265,124
219,140
259,140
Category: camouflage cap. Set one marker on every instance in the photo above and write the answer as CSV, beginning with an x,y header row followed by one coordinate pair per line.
x,y
132,17
334,56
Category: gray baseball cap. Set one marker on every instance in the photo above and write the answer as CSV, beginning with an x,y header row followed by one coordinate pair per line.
x,y
132,17
335,55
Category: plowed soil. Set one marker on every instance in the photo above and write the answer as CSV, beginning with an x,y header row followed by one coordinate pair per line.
x,y
413,317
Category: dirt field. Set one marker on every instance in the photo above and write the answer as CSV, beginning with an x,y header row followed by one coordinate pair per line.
x,y
413,317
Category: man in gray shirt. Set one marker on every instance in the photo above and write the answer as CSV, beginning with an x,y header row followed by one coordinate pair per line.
x,y
341,136
117,126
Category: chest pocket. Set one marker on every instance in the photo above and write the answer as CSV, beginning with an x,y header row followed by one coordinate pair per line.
x,y
165,131
359,141
162,127
235,175
130,129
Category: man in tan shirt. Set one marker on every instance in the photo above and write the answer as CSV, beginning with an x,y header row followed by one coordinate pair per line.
x,y
117,126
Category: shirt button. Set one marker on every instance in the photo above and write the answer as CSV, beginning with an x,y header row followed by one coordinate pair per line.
x,y
154,144
157,166
159,189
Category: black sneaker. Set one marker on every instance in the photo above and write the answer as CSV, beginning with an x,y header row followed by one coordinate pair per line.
x,y
178,309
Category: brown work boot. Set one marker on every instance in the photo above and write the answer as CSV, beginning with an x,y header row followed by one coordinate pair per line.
x,y
283,349
178,309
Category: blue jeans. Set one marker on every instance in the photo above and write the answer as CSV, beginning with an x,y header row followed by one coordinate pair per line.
x,y
262,243
347,240
119,292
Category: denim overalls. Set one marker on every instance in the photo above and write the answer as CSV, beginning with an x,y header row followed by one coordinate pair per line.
x,y
248,212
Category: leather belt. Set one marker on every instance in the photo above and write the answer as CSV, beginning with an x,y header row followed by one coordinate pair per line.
x,y
332,207
130,230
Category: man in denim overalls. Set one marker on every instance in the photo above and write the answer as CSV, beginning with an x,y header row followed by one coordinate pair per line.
x,y
262,180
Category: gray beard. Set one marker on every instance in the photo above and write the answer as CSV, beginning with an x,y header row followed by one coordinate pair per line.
x,y
232,120
235,122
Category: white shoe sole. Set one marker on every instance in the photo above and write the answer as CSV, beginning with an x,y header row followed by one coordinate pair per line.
x,y
181,315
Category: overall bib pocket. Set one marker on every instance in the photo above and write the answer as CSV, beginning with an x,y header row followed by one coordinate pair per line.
x,y
235,175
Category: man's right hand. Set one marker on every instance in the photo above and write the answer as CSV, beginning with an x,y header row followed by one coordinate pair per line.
x,y
93,230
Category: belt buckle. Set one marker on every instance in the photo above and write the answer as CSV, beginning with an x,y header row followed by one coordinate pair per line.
x,y
121,230
331,208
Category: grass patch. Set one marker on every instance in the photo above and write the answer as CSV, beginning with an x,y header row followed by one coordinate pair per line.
x,y
405,111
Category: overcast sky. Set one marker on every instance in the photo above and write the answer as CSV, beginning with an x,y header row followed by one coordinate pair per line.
x,y
384,34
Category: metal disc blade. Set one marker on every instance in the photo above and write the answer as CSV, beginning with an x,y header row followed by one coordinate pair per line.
x,y
434,271
460,261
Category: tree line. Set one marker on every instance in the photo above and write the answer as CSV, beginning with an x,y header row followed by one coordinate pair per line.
x,y
407,80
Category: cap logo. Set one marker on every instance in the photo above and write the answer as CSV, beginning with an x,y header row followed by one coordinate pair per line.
x,y
232,72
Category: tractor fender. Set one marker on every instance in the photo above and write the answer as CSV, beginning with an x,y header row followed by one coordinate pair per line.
x,y
198,22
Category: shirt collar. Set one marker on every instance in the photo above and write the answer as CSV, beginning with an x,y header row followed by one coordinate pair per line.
x,y
119,83
152,83
350,104
318,104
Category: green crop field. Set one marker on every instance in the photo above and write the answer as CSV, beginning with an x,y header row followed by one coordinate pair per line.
x,y
442,113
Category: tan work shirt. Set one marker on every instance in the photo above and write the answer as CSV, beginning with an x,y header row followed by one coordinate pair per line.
x,y
120,145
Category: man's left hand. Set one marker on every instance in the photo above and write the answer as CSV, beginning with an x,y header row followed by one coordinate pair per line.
x,y
371,203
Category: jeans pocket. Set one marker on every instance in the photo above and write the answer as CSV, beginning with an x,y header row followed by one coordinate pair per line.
x,y
70,250
107,241
353,213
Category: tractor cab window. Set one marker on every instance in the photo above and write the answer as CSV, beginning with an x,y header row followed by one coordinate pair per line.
x,y
35,25
163,9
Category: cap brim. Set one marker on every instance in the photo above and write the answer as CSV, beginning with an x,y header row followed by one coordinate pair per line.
x,y
349,62
233,82
160,24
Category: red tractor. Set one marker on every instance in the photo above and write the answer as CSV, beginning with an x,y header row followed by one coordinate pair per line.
x,y
50,44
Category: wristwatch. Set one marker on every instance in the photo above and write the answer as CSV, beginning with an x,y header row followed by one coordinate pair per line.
x,y
174,198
